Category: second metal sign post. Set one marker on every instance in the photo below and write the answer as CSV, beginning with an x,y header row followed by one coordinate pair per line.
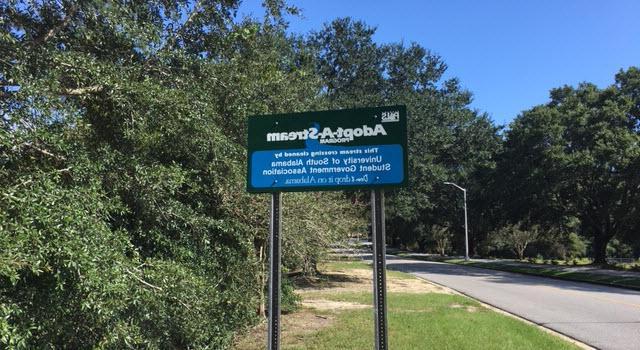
x,y
379,268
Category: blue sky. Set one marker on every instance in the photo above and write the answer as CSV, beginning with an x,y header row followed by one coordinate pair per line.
x,y
509,53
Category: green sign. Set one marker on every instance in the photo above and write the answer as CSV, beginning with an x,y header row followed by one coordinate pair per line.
x,y
328,150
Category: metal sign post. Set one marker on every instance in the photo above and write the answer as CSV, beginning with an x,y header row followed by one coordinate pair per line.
x,y
274,273
379,265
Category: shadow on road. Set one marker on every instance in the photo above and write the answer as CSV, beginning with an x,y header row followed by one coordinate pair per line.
x,y
412,266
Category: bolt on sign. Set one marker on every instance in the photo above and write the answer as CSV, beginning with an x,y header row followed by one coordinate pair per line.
x,y
362,148
328,150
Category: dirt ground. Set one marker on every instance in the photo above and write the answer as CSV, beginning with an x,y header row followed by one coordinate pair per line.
x,y
294,327
361,280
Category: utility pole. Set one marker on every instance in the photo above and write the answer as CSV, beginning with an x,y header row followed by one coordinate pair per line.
x,y
466,230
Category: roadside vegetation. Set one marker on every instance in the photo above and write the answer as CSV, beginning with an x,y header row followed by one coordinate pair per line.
x,y
555,271
337,313
124,220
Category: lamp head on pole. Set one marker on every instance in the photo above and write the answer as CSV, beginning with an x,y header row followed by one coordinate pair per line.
x,y
452,184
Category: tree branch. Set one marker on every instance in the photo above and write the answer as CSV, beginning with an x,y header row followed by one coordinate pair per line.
x,y
172,40
83,90
53,31
44,151
142,281
62,171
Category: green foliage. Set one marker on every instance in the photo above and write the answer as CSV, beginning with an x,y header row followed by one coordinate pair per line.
x,y
576,246
442,238
578,156
515,237
311,226
437,238
448,141
124,221
618,249
290,301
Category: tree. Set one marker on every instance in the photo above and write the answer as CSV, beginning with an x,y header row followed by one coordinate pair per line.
x,y
442,237
311,226
447,140
125,221
350,63
578,156
517,238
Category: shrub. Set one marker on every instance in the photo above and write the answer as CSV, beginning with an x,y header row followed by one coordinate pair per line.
x,y
576,246
290,301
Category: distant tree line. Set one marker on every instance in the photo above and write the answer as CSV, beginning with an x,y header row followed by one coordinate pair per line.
x,y
563,182
124,221
563,177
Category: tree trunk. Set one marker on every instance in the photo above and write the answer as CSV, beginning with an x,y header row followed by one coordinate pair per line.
x,y
603,232
262,281
600,248
521,254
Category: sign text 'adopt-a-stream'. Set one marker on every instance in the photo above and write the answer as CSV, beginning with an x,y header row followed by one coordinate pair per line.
x,y
327,150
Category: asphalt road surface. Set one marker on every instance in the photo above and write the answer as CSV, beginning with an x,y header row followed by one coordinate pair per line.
x,y
603,317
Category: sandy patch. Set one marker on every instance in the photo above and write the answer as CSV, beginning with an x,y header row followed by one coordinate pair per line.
x,y
295,327
468,308
322,304
361,280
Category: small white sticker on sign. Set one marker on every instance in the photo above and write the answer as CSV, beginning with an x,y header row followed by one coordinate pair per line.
x,y
392,116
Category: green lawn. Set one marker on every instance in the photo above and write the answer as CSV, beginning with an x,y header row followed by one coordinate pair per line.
x,y
610,280
431,321
417,320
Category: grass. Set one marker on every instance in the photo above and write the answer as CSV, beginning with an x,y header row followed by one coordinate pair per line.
x,y
416,320
597,278
433,321
543,270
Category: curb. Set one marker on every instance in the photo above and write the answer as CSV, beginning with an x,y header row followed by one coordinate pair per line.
x,y
560,278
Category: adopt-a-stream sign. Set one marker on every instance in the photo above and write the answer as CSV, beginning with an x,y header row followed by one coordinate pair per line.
x,y
328,150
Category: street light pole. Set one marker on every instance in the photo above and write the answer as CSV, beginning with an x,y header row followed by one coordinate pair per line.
x,y
466,230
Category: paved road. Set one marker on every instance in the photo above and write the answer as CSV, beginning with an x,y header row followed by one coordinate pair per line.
x,y
603,317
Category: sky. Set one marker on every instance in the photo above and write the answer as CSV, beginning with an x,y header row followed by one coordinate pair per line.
x,y
508,53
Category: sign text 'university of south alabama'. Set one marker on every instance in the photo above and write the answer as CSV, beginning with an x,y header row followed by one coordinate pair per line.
x,y
328,150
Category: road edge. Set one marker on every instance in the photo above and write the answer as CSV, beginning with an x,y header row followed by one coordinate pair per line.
x,y
560,278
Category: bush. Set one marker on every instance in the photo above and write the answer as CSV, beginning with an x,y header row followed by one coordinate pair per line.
x,y
556,250
289,301
576,246
63,268
619,249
